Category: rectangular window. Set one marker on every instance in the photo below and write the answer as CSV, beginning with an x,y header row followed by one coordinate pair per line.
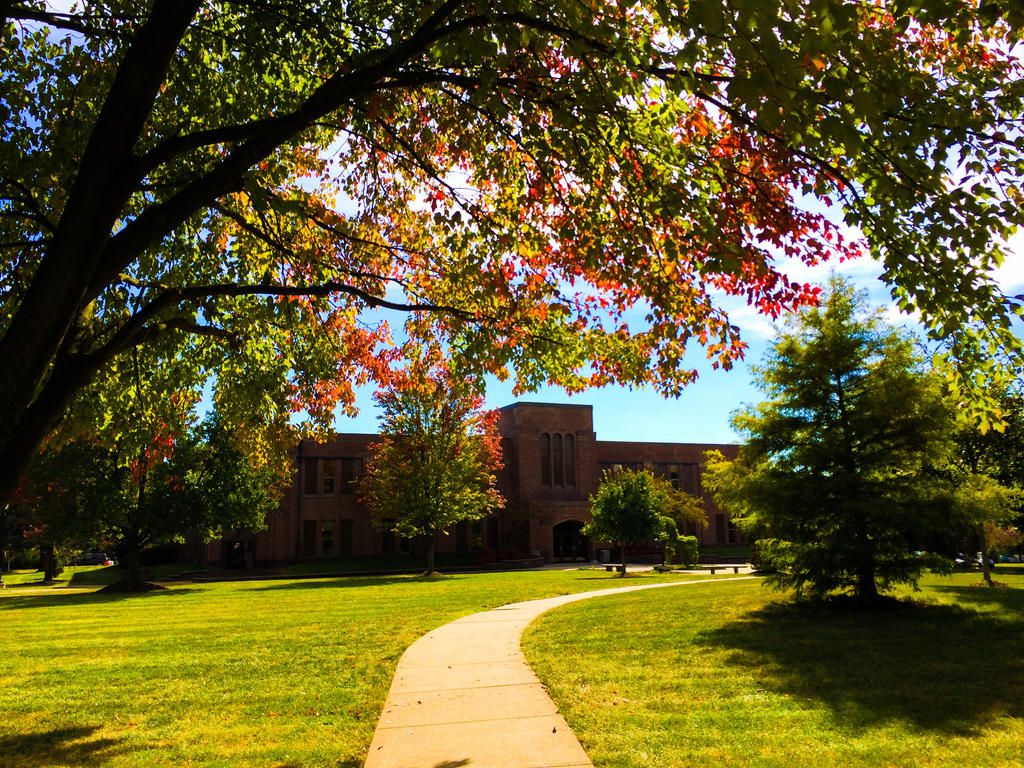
x,y
720,530
545,459
670,472
309,538
345,538
614,467
556,457
689,480
350,470
733,533
329,468
570,462
309,479
326,538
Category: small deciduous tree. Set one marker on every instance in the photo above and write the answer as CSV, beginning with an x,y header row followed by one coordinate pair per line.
x,y
436,461
681,507
833,475
628,508
988,468
987,506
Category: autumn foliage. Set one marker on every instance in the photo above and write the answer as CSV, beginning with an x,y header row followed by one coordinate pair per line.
x,y
436,462
564,192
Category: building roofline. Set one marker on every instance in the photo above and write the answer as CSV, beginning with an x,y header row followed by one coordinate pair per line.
x,y
647,442
527,403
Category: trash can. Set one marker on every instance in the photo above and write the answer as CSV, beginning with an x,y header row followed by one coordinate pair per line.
x,y
604,555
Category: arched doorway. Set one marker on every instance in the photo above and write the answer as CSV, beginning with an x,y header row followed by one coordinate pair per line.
x,y
569,543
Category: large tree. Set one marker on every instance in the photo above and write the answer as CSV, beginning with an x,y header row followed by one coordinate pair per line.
x,y
834,474
435,463
238,181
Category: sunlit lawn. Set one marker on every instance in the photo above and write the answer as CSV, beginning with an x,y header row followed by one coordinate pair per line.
x,y
240,674
726,675
343,565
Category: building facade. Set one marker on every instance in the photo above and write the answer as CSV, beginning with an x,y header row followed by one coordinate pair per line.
x,y
553,463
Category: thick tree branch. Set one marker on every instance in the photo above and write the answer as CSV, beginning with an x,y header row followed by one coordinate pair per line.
x,y
142,322
341,88
57,291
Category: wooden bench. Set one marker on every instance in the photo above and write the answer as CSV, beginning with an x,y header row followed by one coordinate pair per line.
x,y
612,566
713,568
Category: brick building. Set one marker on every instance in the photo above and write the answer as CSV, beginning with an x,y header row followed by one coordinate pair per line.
x,y
553,464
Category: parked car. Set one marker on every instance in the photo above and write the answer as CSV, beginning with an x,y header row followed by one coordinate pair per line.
x,y
96,558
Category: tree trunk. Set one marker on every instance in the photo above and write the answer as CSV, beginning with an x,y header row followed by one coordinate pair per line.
x,y
983,546
5,562
39,344
49,562
250,562
622,561
867,590
131,569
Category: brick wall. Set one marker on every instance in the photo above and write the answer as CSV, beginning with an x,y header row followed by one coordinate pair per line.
x,y
553,464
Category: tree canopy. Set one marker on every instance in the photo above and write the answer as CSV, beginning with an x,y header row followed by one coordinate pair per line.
x,y
561,189
835,472
435,463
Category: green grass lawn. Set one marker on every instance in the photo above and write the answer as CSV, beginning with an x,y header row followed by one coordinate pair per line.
x,y
254,674
344,565
730,675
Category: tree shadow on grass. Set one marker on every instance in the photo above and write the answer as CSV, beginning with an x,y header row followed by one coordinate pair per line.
x,y
344,582
55,598
951,669
1010,601
58,747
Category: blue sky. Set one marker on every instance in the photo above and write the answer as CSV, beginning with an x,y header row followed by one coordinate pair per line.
x,y
701,413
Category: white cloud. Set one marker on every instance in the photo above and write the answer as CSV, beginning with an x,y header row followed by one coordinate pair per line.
x,y
1010,275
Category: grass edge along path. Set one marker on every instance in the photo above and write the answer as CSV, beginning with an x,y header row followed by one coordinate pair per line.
x,y
737,675
272,674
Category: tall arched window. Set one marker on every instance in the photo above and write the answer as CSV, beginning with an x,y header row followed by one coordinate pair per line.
x,y
570,462
556,458
545,459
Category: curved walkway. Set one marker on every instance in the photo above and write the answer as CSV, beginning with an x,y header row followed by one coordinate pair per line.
x,y
463,695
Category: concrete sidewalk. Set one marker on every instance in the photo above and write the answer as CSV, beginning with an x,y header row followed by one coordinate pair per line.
x,y
463,695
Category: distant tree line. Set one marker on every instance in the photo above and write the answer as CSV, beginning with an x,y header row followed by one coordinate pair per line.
x,y
84,495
